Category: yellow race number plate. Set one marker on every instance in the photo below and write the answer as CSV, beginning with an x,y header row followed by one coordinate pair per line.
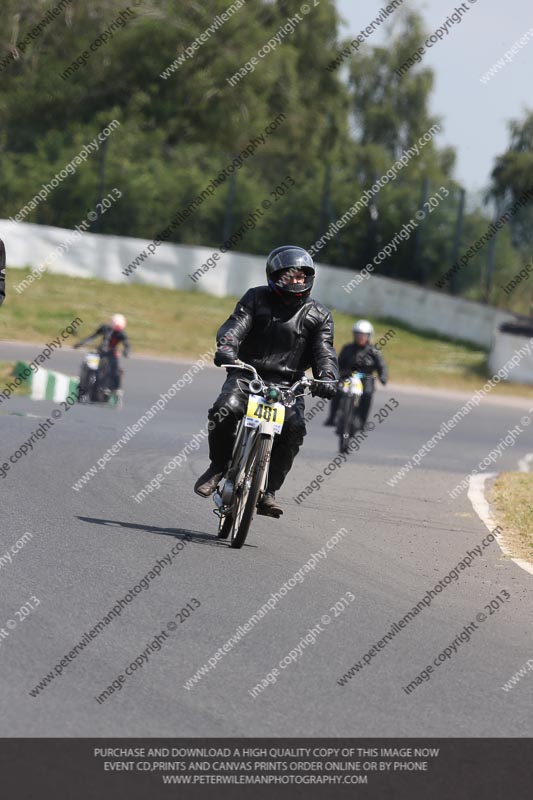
x,y
260,411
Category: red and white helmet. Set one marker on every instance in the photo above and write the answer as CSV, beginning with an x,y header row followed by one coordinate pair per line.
x,y
118,322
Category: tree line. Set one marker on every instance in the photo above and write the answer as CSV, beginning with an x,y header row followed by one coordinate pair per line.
x,y
163,68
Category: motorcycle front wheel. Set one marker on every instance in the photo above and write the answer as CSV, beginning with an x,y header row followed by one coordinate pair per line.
x,y
247,494
225,527
92,393
346,413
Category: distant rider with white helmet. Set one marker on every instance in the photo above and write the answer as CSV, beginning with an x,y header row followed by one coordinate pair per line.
x,y
361,356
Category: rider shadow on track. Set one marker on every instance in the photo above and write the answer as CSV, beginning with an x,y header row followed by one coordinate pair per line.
x,y
177,533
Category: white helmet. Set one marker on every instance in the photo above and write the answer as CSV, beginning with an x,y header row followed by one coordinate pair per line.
x,y
363,326
118,322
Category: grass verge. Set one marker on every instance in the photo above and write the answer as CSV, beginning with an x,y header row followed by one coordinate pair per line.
x,y
178,323
512,498
6,376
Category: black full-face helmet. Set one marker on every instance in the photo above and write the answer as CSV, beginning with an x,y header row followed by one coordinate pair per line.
x,y
285,258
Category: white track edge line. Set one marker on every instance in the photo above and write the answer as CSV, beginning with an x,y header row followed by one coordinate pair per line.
x,y
476,495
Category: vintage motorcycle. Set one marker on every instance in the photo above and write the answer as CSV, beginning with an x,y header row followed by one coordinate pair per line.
x,y
350,389
246,477
94,385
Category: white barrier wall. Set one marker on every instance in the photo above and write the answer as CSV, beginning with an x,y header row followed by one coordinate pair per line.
x,y
90,255
504,347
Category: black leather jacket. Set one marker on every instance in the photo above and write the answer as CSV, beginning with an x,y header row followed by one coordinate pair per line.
x,y
110,341
279,340
365,359
2,272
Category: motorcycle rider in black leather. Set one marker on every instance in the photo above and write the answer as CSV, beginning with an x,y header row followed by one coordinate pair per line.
x,y
112,335
2,272
361,356
281,331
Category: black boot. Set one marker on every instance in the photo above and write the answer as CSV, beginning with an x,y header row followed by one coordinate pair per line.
x,y
208,482
268,507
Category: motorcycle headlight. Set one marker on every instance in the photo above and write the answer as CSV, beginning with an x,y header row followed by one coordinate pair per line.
x,y
272,395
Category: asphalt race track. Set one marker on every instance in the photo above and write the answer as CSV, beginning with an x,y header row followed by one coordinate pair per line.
x,y
90,547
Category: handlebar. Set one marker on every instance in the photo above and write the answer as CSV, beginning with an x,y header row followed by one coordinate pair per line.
x,y
241,365
359,375
288,394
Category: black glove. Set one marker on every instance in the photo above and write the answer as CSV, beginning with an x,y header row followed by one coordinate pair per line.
x,y
325,390
225,355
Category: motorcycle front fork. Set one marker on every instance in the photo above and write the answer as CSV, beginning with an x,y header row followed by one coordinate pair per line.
x,y
244,441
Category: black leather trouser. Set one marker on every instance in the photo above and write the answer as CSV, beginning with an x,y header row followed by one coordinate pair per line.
x,y
114,371
363,409
223,426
